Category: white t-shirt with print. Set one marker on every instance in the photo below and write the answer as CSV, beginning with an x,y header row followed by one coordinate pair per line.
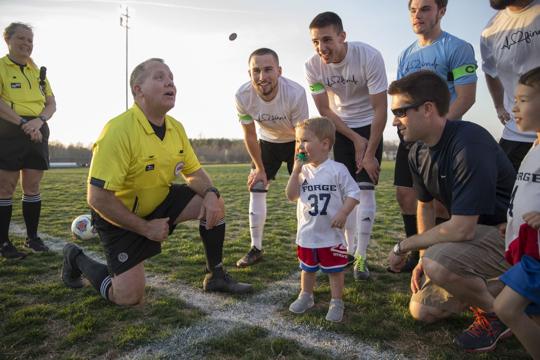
x,y
323,190
349,83
275,119
510,46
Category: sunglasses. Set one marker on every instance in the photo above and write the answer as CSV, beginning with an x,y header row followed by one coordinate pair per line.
x,y
402,111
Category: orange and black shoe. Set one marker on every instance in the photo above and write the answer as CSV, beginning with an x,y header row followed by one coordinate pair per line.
x,y
484,332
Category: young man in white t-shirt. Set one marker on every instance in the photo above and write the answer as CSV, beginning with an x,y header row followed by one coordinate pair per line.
x,y
510,46
520,299
275,104
348,84
326,194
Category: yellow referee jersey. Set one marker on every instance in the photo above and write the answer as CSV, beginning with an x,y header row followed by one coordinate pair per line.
x,y
19,87
129,159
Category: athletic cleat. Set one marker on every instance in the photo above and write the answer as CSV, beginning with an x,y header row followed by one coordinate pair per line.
x,y
302,303
254,255
483,334
360,271
335,310
71,275
9,251
36,244
221,281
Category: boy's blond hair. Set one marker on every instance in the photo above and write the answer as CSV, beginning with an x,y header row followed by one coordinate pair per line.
x,y
322,127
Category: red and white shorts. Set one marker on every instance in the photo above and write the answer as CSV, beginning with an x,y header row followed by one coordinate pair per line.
x,y
328,259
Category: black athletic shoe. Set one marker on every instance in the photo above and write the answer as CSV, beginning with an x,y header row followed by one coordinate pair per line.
x,y
254,255
483,334
71,275
9,251
36,244
221,281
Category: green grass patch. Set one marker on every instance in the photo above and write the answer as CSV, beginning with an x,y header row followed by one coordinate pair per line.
x,y
40,318
255,343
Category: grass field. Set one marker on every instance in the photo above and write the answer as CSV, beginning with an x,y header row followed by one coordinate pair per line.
x,y
42,319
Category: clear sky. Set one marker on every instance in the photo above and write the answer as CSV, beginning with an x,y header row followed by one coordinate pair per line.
x,y
83,47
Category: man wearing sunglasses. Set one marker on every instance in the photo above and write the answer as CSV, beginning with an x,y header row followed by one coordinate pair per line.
x,y
459,164
453,60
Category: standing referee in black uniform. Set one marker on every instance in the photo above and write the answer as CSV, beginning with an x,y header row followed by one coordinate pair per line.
x,y
26,103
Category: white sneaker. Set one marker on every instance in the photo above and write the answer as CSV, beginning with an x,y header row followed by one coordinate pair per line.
x,y
335,310
304,302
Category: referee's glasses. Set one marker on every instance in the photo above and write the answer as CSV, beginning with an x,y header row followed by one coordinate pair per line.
x,y
402,111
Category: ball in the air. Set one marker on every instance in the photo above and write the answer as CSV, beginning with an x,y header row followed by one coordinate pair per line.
x,y
233,36
82,228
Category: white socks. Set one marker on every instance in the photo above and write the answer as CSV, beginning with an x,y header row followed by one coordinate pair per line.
x,y
365,218
257,217
350,231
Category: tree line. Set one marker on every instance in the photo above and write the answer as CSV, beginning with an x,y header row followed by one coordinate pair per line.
x,y
209,151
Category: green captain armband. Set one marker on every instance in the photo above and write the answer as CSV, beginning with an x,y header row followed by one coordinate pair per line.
x,y
464,71
245,117
316,87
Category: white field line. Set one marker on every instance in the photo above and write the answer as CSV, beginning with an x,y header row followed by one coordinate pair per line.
x,y
226,313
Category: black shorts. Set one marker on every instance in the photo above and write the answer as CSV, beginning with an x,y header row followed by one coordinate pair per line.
x,y
273,154
19,152
123,248
515,150
344,153
402,173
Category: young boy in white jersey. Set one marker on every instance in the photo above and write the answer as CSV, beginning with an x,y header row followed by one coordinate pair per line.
x,y
326,194
520,299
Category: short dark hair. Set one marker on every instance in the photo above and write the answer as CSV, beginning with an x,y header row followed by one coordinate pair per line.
x,y
326,19
440,3
11,28
531,78
422,86
138,75
264,51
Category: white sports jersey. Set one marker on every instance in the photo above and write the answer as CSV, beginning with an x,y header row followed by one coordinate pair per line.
x,y
349,83
276,118
323,190
510,46
526,193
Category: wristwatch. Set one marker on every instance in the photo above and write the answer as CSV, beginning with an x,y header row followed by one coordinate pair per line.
x,y
212,189
22,121
397,250
43,118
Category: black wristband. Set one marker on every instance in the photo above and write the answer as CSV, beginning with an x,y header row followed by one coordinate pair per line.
x,y
212,189
42,118
22,121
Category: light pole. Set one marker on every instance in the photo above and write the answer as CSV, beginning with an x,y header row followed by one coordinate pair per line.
x,y
124,22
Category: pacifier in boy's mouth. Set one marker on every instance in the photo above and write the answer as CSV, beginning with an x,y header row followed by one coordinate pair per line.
x,y
301,156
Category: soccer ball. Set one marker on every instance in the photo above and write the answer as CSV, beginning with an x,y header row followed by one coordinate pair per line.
x,y
82,227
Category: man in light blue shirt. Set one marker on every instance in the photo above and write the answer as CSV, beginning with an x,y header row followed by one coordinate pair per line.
x,y
453,60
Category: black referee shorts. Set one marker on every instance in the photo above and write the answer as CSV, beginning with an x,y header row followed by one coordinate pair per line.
x,y
344,153
273,154
19,152
123,248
